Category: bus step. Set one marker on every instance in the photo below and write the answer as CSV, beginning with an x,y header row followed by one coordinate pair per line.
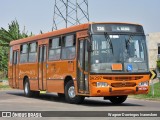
x,y
43,92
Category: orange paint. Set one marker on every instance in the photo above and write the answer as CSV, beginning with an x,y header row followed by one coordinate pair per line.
x,y
117,66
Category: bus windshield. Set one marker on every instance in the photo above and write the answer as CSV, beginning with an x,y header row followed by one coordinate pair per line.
x,y
108,49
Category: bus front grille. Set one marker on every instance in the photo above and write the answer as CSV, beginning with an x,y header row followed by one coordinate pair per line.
x,y
123,84
124,78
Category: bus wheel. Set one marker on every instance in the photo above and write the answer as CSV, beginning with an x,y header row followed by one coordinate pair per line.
x,y
118,99
27,90
70,94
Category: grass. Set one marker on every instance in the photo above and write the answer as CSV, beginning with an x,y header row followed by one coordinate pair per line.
x,y
4,78
149,95
3,86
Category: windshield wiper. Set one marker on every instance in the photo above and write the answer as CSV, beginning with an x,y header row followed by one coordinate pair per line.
x,y
129,40
108,39
130,46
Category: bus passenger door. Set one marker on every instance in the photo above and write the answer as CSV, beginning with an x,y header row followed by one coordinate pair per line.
x,y
15,69
82,73
42,67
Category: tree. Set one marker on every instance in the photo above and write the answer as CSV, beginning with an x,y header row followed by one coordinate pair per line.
x,y
13,32
6,36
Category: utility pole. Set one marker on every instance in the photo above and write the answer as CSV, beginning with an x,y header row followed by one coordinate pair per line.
x,y
70,12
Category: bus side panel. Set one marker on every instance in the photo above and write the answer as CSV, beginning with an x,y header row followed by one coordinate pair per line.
x,y
55,86
21,84
34,84
55,82
10,74
57,72
29,70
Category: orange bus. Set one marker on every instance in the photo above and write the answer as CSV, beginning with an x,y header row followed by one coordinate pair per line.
x,y
107,60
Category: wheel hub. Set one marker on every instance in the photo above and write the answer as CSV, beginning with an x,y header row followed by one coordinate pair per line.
x,y
26,88
71,92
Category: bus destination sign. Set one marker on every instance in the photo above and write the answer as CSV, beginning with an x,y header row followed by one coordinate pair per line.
x,y
121,28
117,28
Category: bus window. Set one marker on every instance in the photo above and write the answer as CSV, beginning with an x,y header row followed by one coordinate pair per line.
x,y
24,53
68,49
15,59
32,52
54,49
11,55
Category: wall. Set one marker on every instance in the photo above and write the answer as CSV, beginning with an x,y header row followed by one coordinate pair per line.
x,y
152,41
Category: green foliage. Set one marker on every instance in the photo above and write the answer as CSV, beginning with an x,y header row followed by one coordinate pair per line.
x,y
3,87
158,64
3,58
149,95
6,36
13,32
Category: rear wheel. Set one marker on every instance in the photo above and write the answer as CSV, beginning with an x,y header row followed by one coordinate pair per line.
x,y
70,94
27,90
118,99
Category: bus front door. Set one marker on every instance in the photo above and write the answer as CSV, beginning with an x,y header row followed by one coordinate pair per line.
x,y
42,67
82,73
15,69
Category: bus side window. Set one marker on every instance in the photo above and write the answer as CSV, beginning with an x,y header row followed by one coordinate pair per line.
x,y
24,53
10,55
54,49
68,49
32,52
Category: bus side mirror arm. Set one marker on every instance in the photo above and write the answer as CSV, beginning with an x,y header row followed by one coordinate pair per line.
x,y
89,46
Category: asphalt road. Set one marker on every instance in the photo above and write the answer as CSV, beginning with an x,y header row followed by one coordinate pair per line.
x,y
14,100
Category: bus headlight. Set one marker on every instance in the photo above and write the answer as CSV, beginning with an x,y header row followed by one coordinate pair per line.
x,y
102,84
144,83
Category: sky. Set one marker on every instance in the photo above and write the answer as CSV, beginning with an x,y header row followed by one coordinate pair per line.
x,y
37,15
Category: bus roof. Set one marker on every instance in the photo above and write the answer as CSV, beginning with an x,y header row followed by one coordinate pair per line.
x,y
62,31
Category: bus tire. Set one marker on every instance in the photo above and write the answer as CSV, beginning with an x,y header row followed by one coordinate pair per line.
x,y
70,96
27,91
118,99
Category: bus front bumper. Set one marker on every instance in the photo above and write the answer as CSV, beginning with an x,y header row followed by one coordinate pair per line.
x,y
111,91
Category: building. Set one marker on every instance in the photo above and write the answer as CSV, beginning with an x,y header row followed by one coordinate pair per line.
x,y
153,42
